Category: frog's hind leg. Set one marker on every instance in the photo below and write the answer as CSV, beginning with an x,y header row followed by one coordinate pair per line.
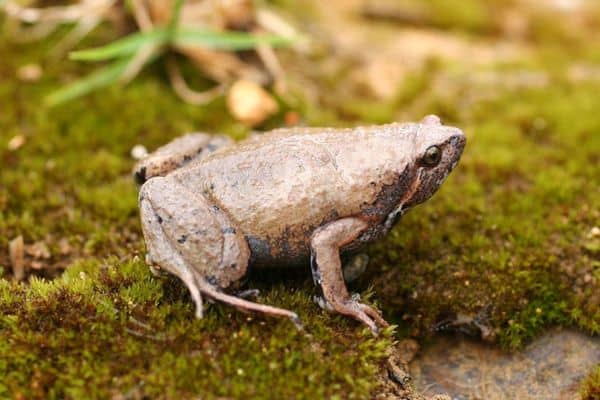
x,y
177,153
244,305
160,255
195,240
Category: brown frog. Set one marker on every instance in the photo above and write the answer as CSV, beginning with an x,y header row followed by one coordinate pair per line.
x,y
210,208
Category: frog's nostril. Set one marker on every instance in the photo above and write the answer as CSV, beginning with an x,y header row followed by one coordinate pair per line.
x,y
457,141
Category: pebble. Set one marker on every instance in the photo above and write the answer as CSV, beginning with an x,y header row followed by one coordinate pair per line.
x,y
29,73
249,103
138,152
16,143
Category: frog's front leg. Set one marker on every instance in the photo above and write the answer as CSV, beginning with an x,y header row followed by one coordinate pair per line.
x,y
177,153
196,240
326,267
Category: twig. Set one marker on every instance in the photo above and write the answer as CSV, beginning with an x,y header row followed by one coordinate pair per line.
x,y
187,94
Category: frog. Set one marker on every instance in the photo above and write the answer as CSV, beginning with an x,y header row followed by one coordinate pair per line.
x,y
212,209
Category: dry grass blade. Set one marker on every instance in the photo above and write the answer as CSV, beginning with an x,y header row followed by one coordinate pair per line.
x,y
187,94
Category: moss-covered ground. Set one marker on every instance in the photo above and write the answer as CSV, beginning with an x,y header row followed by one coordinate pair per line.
x,y
509,238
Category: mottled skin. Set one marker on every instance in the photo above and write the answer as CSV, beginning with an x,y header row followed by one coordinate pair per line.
x,y
284,198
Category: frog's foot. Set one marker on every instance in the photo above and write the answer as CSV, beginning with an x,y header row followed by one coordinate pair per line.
x,y
177,153
189,237
326,267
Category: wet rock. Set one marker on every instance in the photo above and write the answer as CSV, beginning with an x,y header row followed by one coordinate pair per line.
x,y
396,382
550,368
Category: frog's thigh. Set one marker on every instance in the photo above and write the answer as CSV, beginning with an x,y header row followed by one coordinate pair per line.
x,y
326,266
195,230
196,241
177,153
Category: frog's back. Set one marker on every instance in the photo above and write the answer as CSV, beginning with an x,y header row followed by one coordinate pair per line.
x,y
281,186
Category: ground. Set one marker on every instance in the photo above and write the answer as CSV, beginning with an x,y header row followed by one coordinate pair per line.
x,y
511,238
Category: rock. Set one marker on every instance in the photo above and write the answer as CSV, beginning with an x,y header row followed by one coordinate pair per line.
x,y
550,368
249,103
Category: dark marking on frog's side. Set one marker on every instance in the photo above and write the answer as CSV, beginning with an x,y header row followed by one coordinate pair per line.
x,y
382,210
159,219
182,239
140,176
228,230
390,195
260,249
284,247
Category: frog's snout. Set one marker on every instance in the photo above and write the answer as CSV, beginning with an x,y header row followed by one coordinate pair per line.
x,y
458,141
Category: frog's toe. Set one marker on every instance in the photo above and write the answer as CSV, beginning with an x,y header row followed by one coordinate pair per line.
x,y
362,313
374,314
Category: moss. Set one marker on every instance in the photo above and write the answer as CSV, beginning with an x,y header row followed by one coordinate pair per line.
x,y
506,232
506,238
106,328
590,388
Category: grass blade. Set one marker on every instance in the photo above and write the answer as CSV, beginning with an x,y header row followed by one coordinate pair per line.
x,y
123,47
99,79
227,40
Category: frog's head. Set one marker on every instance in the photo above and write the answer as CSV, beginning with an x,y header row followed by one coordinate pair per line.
x,y
437,149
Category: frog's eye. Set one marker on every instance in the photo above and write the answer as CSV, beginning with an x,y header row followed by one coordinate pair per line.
x,y
432,156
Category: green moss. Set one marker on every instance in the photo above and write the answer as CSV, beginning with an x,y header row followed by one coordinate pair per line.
x,y
590,388
110,327
506,233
